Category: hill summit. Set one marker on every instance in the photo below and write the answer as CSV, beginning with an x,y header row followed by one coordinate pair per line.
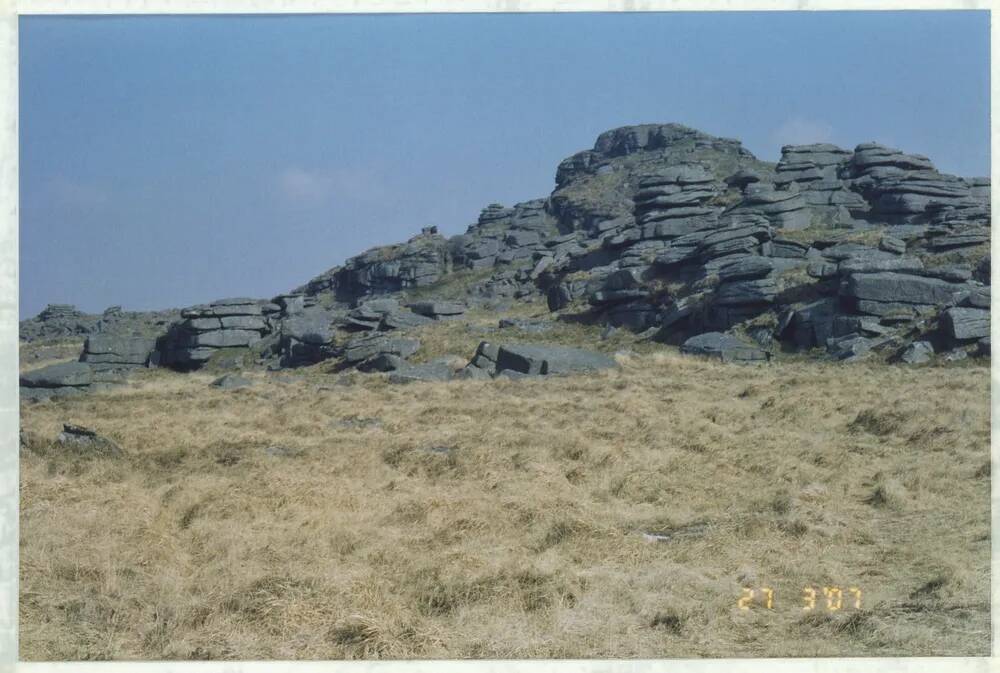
x,y
660,230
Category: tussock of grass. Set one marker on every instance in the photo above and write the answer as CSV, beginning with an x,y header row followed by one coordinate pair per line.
x,y
610,515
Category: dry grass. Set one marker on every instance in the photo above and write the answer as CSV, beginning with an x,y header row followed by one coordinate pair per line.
x,y
505,518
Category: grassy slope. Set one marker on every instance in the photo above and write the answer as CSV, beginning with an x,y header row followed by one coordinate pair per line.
x,y
525,540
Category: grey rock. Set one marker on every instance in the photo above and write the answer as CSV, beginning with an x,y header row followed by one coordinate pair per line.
x,y
897,287
366,347
849,347
747,268
537,359
64,374
955,355
84,441
877,261
231,382
436,370
436,309
725,347
918,352
403,320
978,297
760,291
108,350
893,245
964,324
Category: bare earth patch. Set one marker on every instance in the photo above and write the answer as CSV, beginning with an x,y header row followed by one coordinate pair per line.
x,y
614,515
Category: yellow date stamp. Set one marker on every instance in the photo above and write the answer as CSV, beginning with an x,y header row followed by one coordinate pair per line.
x,y
826,598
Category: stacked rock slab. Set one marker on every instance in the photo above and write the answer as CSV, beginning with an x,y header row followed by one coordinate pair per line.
x,y
204,330
814,171
110,351
504,236
419,262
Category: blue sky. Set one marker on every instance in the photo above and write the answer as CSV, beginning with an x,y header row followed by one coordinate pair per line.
x,y
167,161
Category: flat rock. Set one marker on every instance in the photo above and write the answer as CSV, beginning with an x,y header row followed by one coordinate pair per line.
x,y
64,374
897,287
434,309
85,441
231,381
725,347
537,359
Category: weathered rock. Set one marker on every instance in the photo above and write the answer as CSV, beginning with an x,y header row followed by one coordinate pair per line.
x,y
746,268
110,351
64,374
725,347
403,320
537,359
965,324
86,442
366,347
436,370
437,309
897,287
231,381
918,352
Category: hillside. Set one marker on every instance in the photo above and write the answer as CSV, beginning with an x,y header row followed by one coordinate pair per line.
x,y
586,427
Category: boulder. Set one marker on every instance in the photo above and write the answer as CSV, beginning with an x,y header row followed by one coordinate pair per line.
x,y
537,359
918,352
966,324
898,287
746,268
437,309
440,369
366,347
230,382
111,351
86,442
725,347
64,374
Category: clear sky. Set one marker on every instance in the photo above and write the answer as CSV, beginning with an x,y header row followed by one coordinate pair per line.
x,y
167,161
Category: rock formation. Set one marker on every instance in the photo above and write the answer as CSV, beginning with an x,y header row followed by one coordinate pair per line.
x,y
659,229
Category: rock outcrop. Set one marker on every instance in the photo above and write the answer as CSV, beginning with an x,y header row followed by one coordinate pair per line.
x,y
660,229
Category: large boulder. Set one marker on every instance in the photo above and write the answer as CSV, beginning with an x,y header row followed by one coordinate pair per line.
x,y
75,374
537,359
107,351
966,324
363,348
901,288
725,347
